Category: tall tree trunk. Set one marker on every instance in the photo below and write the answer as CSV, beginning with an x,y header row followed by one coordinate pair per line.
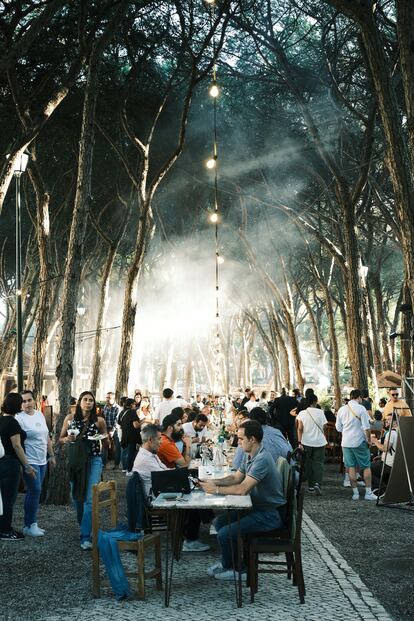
x,y
375,286
145,232
334,347
43,318
100,322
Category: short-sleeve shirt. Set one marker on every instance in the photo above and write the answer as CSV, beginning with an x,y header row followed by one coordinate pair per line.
x,y
37,435
267,495
190,431
10,427
400,405
352,421
168,451
313,421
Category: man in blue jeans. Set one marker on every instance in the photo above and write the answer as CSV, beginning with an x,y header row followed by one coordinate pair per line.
x,y
257,476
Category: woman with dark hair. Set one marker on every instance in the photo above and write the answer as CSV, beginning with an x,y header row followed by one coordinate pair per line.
x,y
86,422
12,437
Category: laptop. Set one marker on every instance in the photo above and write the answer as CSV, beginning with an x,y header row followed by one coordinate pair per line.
x,y
167,481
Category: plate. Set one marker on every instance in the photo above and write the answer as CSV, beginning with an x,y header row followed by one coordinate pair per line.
x,y
170,496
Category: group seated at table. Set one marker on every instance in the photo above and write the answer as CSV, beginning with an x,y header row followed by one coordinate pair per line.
x,y
256,475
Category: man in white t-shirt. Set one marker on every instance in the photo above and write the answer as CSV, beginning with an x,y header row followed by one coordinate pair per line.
x,y
310,423
166,406
197,431
352,421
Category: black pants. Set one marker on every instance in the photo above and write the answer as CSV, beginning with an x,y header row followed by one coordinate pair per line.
x,y
10,469
192,522
131,454
376,469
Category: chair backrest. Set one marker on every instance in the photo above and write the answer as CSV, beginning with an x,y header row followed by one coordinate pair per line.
x,y
137,504
331,434
98,503
290,502
299,514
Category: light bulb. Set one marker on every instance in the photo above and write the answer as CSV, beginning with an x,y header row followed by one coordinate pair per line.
x,y
214,217
211,163
220,260
214,90
210,1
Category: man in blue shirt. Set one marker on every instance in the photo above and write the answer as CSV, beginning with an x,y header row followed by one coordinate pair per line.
x,y
257,476
273,439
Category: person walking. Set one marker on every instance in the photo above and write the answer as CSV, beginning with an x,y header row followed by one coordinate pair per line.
x,y
353,422
86,422
12,437
38,447
310,424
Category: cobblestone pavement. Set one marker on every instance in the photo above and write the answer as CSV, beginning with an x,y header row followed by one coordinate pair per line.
x,y
334,591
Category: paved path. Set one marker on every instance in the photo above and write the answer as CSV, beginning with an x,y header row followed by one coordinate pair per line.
x,y
334,592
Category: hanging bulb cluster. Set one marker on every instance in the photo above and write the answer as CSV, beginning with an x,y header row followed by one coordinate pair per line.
x,y
211,164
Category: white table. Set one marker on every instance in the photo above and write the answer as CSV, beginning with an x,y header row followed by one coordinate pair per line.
x,y
201,500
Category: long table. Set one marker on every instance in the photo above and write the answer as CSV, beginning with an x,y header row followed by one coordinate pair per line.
x,y
200,500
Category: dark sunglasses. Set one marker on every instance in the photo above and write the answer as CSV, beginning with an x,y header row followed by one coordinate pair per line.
x,y
394,394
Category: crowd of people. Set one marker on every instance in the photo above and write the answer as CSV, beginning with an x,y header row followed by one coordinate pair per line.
x,y
133,436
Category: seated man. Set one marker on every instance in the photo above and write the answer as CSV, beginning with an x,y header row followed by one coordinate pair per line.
x,y
146,462
273,439
196,430
168,452
257,476
387,449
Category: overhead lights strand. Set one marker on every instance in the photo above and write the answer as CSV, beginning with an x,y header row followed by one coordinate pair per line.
x,y
211,164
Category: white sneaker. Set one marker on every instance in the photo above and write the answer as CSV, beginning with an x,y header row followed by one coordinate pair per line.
x,y
129,474
215,569
346,483
355,496
370,496
230,574
361,483
195,546
33,530
86,545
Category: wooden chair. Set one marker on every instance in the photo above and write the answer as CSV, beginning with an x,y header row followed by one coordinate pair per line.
x,y
149,540
333,450
278,543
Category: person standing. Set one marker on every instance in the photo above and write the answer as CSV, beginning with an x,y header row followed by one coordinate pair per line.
x,y
12,437
86,421
110,413
400,405
167,405
310,424
38,447
131,435
282,415
353,422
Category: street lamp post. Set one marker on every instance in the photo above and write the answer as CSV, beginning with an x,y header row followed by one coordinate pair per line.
x,y
19,168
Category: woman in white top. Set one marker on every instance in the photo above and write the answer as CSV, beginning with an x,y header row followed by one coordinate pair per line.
x,y
38,447
310,427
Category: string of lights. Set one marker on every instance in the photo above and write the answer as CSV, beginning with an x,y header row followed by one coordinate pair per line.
x,y
212,164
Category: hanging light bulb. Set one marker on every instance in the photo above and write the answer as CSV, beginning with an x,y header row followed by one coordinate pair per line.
x,y
211,162
220,260
214,90
210,1
214,217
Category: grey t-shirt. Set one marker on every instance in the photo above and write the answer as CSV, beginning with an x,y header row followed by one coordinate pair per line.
x,y
267,495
